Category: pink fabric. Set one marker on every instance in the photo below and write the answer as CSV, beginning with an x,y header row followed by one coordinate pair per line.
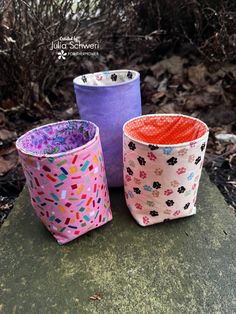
x,y
68,188
161,181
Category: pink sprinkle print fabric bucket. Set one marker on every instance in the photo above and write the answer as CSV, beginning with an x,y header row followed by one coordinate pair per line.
x,y
109,99
64,169
163,158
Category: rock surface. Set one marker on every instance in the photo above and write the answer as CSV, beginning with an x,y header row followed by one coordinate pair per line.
x,y
183,266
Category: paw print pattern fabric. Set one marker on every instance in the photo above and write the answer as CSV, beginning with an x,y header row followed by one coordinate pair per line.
x,y
64,169
163,158
109,99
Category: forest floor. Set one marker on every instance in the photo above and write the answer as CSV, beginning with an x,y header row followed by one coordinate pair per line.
x,y
176,84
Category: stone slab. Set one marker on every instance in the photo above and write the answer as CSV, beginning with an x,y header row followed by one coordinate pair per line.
x,y
183,266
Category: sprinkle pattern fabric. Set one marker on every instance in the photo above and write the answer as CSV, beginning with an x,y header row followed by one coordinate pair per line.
x,y
68,190
161,182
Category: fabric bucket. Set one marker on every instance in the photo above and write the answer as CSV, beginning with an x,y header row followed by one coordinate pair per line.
x,y
109,99
65,174
163,159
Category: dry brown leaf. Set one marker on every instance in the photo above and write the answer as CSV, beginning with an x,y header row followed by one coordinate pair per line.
x,y
151,80
230,69
174,65
95,297
163,85
149,108
232,160
226,138
7,150
199,100
197,75
157,97
215,89
35,91
167,108
8,104
3,119
6,165
6,135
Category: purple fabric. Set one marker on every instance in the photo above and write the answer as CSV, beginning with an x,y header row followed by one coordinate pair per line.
x,y
109,106
57,137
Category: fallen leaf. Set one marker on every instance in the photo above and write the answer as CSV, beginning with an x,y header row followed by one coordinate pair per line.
x,y
174,65
3,119
232,161
6,135
167,108
230,69
35,91
229,138
6,165
199,99
157,96
8,104
151,80
149,108
197,75
7,150
163,85
96,297
215,89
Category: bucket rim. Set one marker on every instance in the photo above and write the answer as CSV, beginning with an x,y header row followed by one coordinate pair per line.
x,y
199,139
60,154
77,83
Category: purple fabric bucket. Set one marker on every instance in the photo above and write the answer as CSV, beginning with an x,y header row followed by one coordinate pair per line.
x,y
109,99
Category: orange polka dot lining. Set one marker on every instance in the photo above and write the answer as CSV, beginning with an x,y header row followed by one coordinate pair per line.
x,y
165,129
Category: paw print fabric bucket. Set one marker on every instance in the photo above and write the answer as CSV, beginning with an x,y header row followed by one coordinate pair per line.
x,y
109,99
163,158
64,170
